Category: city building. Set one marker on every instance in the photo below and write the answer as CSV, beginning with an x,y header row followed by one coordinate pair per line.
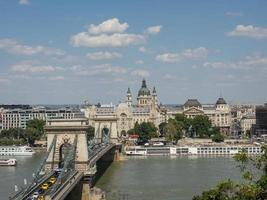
x,y
261,120
219,113
246,123
125,115
146,109
17,118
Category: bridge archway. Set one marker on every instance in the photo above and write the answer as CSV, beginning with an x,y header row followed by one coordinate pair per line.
x,y
64,149
106,128
66,131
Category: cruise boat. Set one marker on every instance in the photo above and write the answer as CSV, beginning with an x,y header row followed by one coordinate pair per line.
x,y
8,162
16,151
193,150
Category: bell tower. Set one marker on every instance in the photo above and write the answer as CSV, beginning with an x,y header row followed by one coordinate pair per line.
x,y
129,98
154,97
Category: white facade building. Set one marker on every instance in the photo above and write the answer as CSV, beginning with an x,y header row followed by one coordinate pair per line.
x,y
247,121
125,115
17,118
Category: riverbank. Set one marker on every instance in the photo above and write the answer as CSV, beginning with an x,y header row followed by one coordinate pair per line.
x,y
39,149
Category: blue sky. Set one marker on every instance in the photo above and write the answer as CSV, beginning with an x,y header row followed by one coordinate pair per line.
x,y
55,52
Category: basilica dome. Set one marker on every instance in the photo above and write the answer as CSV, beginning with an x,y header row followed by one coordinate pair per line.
x,y
221,101
144,90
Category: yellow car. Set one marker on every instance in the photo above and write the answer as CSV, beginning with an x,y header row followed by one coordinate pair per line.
x,y
41,198
45,186
52,180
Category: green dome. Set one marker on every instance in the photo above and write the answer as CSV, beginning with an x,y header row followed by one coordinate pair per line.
x,y
221,101
143,90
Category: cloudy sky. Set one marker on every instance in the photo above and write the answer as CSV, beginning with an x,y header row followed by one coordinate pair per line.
x,y
62,51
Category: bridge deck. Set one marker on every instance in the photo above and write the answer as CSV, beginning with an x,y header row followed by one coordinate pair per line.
x,y
63,191
97,155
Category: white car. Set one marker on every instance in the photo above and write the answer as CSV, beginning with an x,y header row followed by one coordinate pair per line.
x,y
158,144
146,144
35,195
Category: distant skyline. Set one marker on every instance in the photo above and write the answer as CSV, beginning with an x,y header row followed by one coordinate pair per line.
x,y
66,52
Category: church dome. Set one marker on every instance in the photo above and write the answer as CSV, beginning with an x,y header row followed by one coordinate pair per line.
x,y
192,103
221,101
144,90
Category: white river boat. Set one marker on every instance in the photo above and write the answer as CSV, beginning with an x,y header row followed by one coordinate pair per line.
x,y
16,151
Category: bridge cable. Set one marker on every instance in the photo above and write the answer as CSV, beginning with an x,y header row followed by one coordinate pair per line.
x,y
68,166
24,191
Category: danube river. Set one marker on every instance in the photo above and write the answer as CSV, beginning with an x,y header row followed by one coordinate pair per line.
x,y
158,178
140,178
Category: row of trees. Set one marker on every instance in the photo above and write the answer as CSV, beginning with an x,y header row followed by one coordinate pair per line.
x,y
19,136
200,126
145,131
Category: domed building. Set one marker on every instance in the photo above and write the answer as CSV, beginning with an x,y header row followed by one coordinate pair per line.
x,y
145,98
219,113
122,117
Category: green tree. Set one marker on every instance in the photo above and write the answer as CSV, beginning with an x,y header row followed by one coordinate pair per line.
x,y
34,130
37,124
162,128
254,186
174,130
217,138
145,130
32,134
201,124
90,132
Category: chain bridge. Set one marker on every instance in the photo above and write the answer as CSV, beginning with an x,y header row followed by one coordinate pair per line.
x,y
74,162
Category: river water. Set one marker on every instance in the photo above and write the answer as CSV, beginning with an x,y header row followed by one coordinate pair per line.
x,y
11,176
165,178
140,178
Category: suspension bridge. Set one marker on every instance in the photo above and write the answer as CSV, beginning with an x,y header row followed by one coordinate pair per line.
x,y
73,162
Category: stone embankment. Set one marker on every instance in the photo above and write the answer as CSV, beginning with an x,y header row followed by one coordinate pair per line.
x,y
97,194
39,149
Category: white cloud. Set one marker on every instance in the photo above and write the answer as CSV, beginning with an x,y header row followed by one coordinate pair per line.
x,y
140,72
57,78
109,26
110,33
234,14
104,40
99,69
14,47
142,49
153,30
24,2
28,68
250,62
139,62
249,31
188,54
103,55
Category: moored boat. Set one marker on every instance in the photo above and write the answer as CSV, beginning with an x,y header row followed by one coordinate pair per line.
x,y
16,151
8,162
193,150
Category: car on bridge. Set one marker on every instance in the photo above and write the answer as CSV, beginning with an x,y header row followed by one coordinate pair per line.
x,y
41,198
45,186
52,180
35,195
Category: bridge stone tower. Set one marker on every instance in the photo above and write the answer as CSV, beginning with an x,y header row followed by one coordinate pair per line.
x,y
66,130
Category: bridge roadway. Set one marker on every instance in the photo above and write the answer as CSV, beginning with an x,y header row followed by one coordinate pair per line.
x,y
34,187
98,153
72,177
65,188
